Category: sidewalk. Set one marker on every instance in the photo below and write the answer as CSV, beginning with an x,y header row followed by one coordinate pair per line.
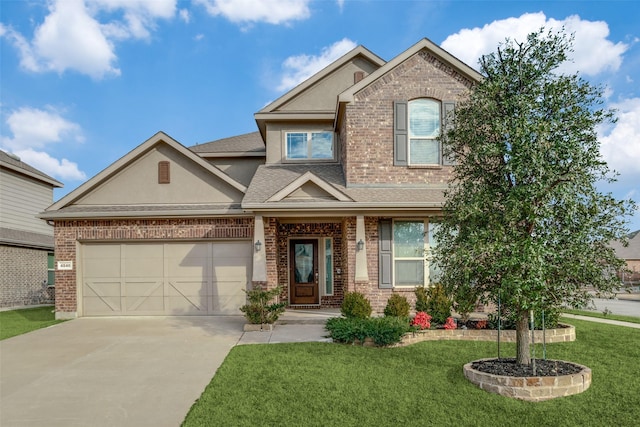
x,y
294,326
599,320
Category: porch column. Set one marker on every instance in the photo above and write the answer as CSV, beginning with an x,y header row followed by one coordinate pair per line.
x,y
362,273
259,256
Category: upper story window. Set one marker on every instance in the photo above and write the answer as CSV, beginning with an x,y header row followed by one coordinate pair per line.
x,y
424,130
417,126
309,145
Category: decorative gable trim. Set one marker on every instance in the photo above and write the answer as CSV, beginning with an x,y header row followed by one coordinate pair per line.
x,y
118,165
309,177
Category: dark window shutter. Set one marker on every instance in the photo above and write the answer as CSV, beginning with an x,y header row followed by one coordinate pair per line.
x,y
164,172
400,133
448,117
385,254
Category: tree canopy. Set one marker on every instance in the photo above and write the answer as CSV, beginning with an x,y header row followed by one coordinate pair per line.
x,y
523,219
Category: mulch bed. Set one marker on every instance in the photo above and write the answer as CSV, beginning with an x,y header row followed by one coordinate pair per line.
x,y
509,367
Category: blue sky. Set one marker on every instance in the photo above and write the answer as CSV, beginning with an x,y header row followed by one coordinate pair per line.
x,y
85,81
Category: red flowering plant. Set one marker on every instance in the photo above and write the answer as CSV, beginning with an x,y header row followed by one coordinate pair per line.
x,y
450,323
422,320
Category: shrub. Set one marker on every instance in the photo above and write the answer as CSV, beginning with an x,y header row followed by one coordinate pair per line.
x,y
383,331
450,323
260,310
397,306
355,305
421,320
438,304
421,299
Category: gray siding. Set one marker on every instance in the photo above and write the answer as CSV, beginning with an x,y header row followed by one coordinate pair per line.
x,y
21,199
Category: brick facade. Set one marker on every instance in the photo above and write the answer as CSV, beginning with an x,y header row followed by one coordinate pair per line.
x,y
367,131
23,272
69,233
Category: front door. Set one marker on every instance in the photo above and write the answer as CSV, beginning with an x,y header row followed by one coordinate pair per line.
x,y
303,277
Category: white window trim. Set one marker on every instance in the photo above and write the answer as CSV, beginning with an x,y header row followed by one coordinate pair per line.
x,y
425,254
410,136
309,159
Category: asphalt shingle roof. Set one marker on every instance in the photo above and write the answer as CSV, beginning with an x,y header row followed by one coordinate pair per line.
x,y
246,143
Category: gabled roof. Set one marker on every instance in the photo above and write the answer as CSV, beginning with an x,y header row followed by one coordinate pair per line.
x,y
270,111
246,145
273,183
305,179
13,162
143,148
443,55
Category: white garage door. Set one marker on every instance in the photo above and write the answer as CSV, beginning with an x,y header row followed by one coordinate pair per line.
x,y
165,278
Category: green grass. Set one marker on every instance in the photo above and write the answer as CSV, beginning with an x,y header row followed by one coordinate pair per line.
x,y
323,384
600,315
17,322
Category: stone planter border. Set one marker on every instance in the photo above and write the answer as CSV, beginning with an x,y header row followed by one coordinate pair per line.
x,y
566,333
532,389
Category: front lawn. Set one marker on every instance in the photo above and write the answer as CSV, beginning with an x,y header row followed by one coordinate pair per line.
x,y
17,322
322,384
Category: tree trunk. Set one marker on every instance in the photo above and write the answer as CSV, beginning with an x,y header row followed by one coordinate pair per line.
x,y
522,338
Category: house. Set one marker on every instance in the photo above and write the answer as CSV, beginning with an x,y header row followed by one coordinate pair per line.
x,y
338,190
26,242
631,254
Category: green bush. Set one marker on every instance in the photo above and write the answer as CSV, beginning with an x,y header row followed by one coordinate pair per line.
x,y
421,299
434,301
397,306
355,305
383,331
260,310
464,301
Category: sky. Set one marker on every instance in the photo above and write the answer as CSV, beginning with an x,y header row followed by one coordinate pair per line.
x,y
83,82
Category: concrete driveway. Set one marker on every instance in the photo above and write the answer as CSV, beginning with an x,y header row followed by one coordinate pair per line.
x,y
112,371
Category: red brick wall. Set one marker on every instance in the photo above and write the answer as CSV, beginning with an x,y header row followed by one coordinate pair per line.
x,y
367,131
68,233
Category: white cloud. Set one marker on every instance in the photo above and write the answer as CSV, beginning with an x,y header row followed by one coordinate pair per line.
x,y
62,169
79,34
620,147
253,11
184,15
300,67
33,130
593,53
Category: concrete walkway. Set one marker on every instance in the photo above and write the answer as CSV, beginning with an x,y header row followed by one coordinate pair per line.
x,y
599,320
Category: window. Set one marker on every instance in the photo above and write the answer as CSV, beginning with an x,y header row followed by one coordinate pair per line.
x,y
405,253
424,130
309,146
417,128
327,267
51,269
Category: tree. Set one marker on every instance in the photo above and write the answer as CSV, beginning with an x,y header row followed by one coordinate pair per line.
x,y
523,221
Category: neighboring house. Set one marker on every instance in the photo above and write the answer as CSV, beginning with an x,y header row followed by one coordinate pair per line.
x,y
339,190
631,254
26,242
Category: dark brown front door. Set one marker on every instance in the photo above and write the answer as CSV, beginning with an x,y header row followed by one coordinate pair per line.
x,y
303,277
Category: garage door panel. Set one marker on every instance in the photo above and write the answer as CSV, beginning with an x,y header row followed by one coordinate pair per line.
x,y
227,295
143,267
166,278
104,288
